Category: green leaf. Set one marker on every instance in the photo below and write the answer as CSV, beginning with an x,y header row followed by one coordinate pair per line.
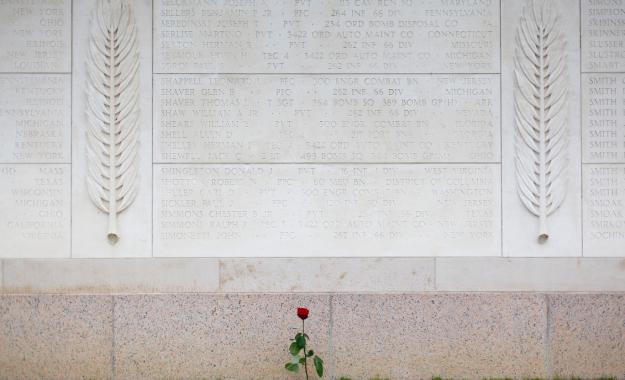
x,y
292,367
300,340
302,360
294,348
310,353
318,366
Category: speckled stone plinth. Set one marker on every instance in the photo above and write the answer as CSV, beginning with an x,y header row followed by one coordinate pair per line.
x,y
449,335
213,336
56,337
245,336
587,335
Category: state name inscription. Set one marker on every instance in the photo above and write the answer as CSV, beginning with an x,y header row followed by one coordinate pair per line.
x,y
326,36
338,118
326,210
34,210
35,36
35,118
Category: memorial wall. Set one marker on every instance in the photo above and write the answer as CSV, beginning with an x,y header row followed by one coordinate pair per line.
x,y
279,128
441,182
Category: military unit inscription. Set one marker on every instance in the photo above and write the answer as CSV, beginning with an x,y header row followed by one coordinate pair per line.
x,y
311,128
338,118
340,36
408,210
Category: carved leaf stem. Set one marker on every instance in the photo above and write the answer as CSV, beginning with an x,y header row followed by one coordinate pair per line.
x,y
540,112
112,110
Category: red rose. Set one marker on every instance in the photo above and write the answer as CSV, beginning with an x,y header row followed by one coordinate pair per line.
x,y
302,312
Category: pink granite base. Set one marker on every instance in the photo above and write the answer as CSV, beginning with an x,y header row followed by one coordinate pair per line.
x,y
56,337
449,335
244,336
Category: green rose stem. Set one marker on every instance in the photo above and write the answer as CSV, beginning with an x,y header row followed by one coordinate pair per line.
x,y
305,355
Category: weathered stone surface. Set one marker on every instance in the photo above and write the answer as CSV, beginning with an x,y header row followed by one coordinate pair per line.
x,y
587,335
559,274
56,337
410,336
395,335
213,336
128,275
326,275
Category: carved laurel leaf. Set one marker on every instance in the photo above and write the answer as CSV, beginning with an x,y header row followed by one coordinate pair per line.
x,y
112,110
540,100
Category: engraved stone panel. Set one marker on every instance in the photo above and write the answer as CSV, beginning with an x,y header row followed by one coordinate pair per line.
x,y
35,118
340,36
91,224
522,228
35,210
603,117
35,36
603,35
326,210
319,118
604,210
312,128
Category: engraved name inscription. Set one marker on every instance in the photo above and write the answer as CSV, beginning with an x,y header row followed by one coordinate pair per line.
x,y
338,118
326,36
603,117
603,35
604,210
326,210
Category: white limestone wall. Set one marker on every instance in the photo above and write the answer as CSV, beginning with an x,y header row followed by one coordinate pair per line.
x,y
311,146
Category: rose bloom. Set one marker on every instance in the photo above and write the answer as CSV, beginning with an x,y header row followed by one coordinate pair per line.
x,y
302,312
